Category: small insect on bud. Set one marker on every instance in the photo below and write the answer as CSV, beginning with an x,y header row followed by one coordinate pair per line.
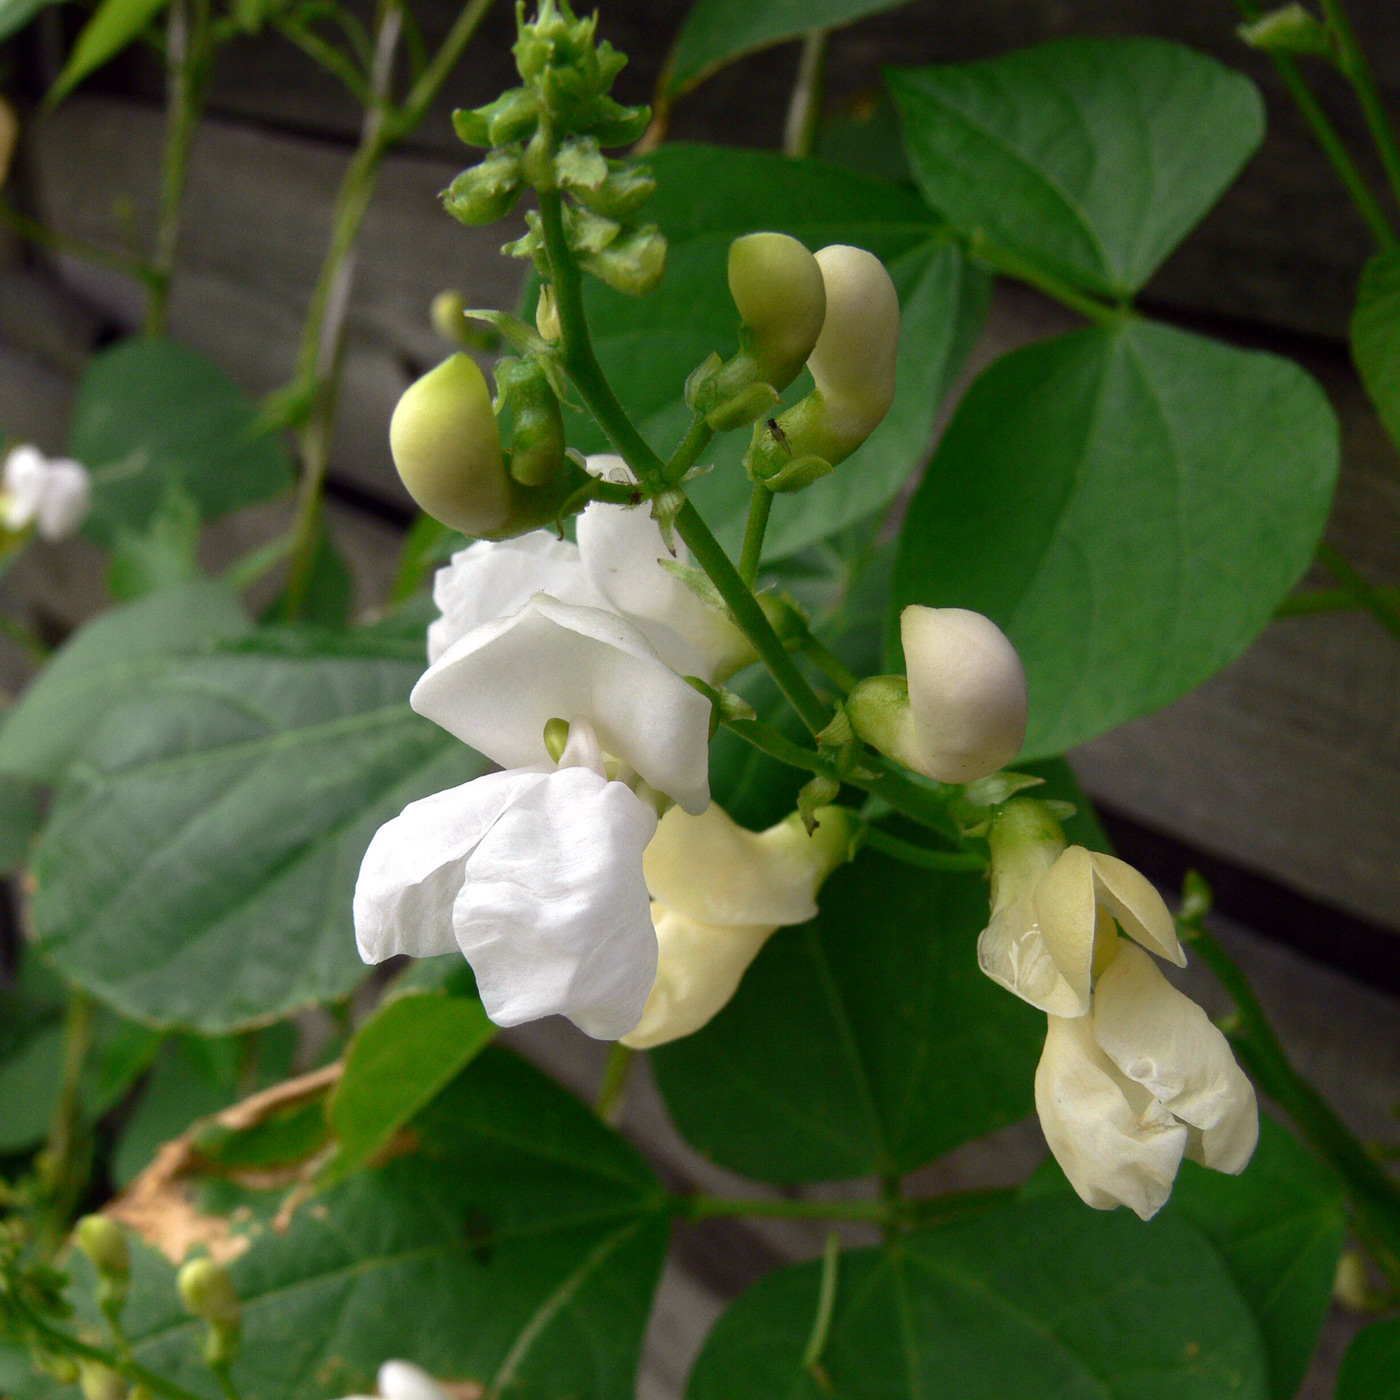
x,y
207,1291
447,448
961,714
104,1242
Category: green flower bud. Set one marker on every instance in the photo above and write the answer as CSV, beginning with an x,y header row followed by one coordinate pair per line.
x,y
632,263
448,315
512,117
852,363
537,439
485,192
627,187
777,286
99,1382
104,1242
1289,30
207,1291
447,448
547,316
615,125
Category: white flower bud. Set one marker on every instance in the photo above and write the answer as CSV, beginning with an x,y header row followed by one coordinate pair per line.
x,y
778,288
52,494
402,1380
447,448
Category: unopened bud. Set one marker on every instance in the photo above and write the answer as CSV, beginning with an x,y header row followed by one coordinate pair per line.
x,y
487,191
104,1242
447,448
1290,29
537,438
448,315
547,316
99,1382
1352,1286
961,714
512,117
778,289
207,1291
852,363
632,263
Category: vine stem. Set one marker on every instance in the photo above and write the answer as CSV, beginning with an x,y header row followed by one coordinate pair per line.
x,y
1364,594
613,1090
995,258
1351,59
1324,600
1375,1197
187,49
804,113
755,527
65,1142
1328,138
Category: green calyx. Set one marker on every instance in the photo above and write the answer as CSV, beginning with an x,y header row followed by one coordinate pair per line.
x,y
537,447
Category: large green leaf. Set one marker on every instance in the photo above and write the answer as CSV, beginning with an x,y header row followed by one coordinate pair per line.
x,y
1375,337
199,864
1130,504
1027,1302
1093,158
105,663
707,197
397,1063
717,32
150,413
518,1247
865,1041
114,25
1371,1367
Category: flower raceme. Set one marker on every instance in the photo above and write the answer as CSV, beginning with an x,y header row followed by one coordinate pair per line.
x,y
51,494
1134,1076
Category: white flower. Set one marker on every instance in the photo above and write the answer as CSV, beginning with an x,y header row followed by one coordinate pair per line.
x,y
52,494
719,892
1134,1075
499,685
402,1380
536,876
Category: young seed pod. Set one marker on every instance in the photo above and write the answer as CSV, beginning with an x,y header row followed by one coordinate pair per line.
x,y
778,289
447,448
852,363
961,714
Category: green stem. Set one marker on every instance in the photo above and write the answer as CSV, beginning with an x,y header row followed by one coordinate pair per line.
x,y
696,440
187,49
804,112
421,94
41,236
1327,137
66,1148
246,571
1010,264
1325,600
921,856
328,55
760,503
1375,1197
1352,61
702,1207
224,1375
1367,595
828,663
612,1091
826,1303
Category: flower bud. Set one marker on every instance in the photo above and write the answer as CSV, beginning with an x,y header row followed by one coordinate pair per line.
x,y
778,288
448,315
207,1291
961,714
99,1382
447,448
104,1242
852,363
547,316
487,191
537,436
632,263
1289,30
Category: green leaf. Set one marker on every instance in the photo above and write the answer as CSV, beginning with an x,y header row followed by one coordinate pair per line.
x,y
330,589
29,1082
1280,1228
162,555
867,1041
105,663
1375,337
519,1247
198,868
717,32
114,25
1093,158
1025,1302
707,196
152,412
15,14
21,815
396,1064
1129,504
1371,1367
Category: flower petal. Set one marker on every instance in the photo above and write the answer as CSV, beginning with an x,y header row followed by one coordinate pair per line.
x,y
1115,1142
498,686
402,1380
25,477
494,578
1011,951
1162,1040
622,551
66,499
698,970
1133,900
414,866
714,870
553,913
1065,909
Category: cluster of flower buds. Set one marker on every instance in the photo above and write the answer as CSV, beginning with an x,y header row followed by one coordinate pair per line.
x,y
549,134
50,494
446,444
961,712
1134,1075
566,665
